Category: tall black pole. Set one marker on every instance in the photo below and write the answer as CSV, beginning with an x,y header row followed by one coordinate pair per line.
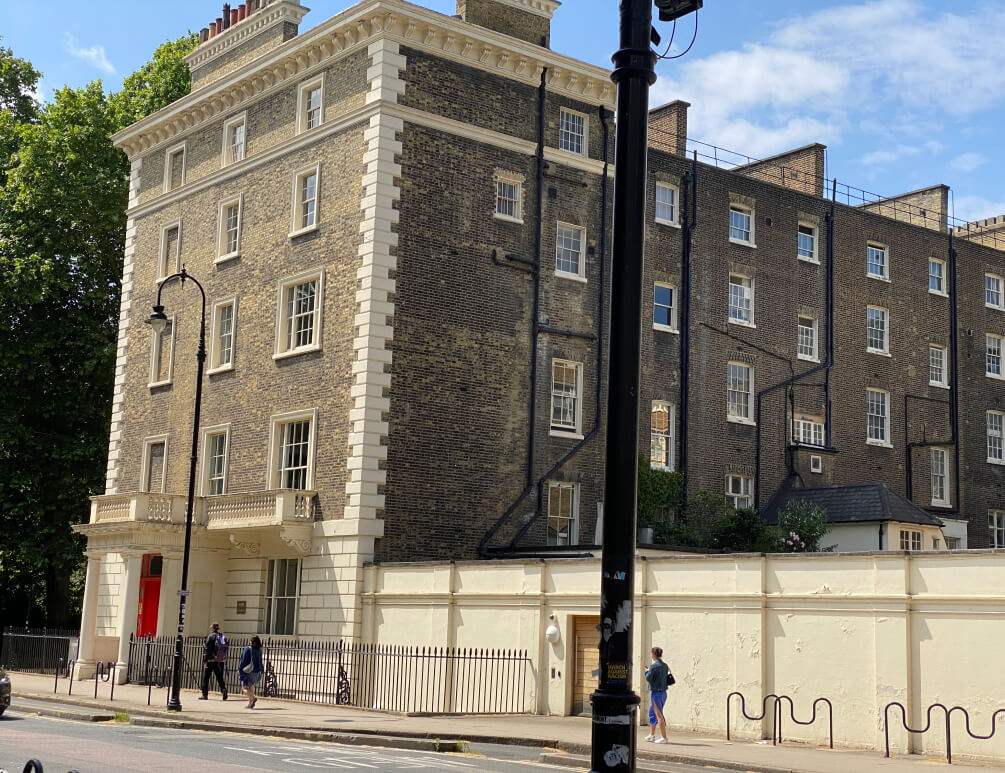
x,y
174,703
615,705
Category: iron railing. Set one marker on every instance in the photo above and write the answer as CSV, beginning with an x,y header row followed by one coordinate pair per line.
x,y
414,680
39,650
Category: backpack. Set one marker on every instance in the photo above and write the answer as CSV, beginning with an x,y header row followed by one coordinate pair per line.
x,y
222,647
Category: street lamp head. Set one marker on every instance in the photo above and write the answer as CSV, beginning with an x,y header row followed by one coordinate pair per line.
x,y
671,10
158,320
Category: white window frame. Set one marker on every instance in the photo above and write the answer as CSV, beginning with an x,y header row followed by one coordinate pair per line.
x,y
939,459
988,337
302,93
816,464
996,528
207,434
155,343
281,351
815,257
667,437
580,275
885,276
745,493
221,230
748,293
297,213
148,442
748,417
804,430
563,133
944,357
886,331
573,521
241,119
885,441
910,539
162,270
673,220
269,600
672,313
995,432
941,277
813,356
214,339
276,424
749,212
168,154
997,280
564,430
504,178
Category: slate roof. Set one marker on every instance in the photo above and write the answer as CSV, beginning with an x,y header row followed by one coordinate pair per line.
x,y
852,503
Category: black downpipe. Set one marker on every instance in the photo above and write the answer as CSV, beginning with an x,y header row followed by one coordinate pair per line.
x,y
825,366
909,447
602,296
828,429
690,212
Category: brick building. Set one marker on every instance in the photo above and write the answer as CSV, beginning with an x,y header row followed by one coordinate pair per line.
x,y
401,221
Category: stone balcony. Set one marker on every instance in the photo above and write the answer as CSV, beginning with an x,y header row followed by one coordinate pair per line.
x,y
246,517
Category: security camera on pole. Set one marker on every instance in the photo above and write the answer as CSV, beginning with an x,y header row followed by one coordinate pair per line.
x,y
615,705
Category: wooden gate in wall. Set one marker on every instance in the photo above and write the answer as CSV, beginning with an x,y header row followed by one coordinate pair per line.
x,y
587,664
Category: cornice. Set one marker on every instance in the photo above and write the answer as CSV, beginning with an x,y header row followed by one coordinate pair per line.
x,y
351,30
259,21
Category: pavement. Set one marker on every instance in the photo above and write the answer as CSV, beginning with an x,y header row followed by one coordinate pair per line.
x,y
563,740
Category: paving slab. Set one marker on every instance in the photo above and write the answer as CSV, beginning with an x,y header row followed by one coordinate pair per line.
x,y
566,734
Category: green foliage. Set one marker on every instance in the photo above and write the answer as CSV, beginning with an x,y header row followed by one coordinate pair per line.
x,y
801,525
743,531
63,195
659,492
18,80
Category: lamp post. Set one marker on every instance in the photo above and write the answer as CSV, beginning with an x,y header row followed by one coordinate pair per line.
x,y
615,705
158,321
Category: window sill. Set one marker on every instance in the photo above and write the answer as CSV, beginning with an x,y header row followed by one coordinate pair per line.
x,y
507,218
940,503
572,277
302,231
665,328
660,467
879,443
877,351
939,386
995,376
227,258
566,435
671,223
999,462
994,308
221,369
742,243
295,352
741,420
939,293
806,358
158,384
814,261
741,323
878,278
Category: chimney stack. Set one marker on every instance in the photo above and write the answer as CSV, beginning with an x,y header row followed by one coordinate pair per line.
x,y
226,16
668,127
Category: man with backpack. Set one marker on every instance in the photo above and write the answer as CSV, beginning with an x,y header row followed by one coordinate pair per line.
x,y
213,658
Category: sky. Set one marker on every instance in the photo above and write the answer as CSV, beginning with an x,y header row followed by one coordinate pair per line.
x,y
904,93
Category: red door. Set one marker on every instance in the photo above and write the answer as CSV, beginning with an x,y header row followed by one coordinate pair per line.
x,y
150,596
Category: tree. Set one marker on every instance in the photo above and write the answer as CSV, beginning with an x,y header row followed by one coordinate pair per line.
x,y
62,230
802,526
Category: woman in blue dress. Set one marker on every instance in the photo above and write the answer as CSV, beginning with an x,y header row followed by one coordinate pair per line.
x,y
251,670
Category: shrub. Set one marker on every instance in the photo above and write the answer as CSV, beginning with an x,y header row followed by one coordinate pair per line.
x,y
802,526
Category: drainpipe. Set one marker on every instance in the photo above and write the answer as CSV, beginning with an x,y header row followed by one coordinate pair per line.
x,y
690,214
825,366
599,337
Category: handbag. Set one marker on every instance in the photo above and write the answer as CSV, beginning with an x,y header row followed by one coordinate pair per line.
x,y
670,680
248,668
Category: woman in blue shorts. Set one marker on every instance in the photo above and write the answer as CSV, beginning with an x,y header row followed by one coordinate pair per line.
x,y
251,670
656,677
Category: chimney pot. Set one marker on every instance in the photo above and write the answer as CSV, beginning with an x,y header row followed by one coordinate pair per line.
x,y
233,17
226,15
242,12
219,25
212,29
203,34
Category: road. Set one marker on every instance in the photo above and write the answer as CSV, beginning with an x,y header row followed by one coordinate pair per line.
x,y
63,745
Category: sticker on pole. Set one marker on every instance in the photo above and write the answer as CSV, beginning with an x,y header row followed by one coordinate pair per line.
x,y
618,755
619,719
617,673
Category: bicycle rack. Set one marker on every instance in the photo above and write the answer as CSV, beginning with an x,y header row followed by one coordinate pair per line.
x,y
34,766
776,715
928,724
70,664
105,672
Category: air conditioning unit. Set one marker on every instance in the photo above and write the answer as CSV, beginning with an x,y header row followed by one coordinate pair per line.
x,y
816,464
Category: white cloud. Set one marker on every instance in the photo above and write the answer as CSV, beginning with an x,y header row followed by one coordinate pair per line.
x,y
890,67
970,208
95,55
968,162
883,157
